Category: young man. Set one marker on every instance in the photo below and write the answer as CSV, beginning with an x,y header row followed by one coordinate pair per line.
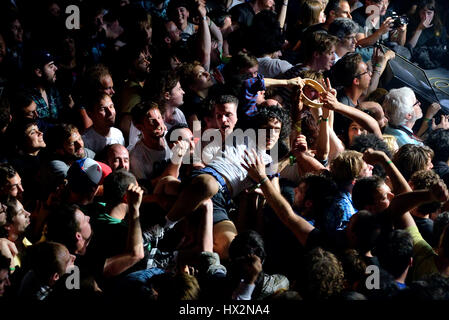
x,y
150,157
224,177
346,168
46,95
10,183
101,110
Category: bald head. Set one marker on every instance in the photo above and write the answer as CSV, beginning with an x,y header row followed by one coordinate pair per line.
x,y
118,157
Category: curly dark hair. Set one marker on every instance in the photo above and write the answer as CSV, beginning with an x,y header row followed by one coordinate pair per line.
x,y
438,141
263,116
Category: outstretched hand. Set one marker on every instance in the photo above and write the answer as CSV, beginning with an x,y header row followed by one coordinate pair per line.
x,y
254,165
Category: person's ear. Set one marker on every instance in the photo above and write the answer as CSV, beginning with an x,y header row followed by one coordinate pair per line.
x,y
167,40
167,95
356,81
55,277
38,72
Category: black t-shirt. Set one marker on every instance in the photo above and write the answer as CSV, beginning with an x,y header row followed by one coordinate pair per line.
x,y
243,14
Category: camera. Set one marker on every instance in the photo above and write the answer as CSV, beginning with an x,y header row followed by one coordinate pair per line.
x,y
398,20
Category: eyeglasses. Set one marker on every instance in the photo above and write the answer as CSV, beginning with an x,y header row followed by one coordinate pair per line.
x,y
361,74
417,103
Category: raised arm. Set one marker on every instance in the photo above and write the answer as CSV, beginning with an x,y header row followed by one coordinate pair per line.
x,y
134,247
299,226
204,36
365,120
283,13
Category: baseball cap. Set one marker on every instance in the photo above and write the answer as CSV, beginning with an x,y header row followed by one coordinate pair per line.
x,y
40,58
87,173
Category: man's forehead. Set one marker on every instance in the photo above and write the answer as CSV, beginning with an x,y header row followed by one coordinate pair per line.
x,y
226,107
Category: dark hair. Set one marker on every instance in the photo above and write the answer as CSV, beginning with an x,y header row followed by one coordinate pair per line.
x,y
332,5
62,226
94,100
364,191
265,34
345,70
115,186
93,78
411,158
432,287
321,190
44,258
247,243
366,228
342,27
320,42
264,114
172,129
7,171
139,111
439,224
394,252
163,82
19,101
57,135
438,141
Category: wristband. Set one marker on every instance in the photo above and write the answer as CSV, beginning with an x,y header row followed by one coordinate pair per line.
x,y
389,161
204,18
275,175
292,160
427,119
285,3
12,269
378,65
262,181
321,119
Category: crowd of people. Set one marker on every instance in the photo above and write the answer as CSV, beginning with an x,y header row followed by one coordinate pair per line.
x,y
215,150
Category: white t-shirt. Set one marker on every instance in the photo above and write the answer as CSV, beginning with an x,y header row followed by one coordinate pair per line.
x,y
97,142
146,163
228,162
134,136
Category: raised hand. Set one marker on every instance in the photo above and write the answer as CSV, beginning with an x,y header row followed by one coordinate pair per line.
x,y
371,156
444,123
179,150
254,165
439,192
134,196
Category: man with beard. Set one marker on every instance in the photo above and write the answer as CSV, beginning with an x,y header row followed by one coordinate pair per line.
x,y
64,145
46,95
137,59
100,109
150,157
